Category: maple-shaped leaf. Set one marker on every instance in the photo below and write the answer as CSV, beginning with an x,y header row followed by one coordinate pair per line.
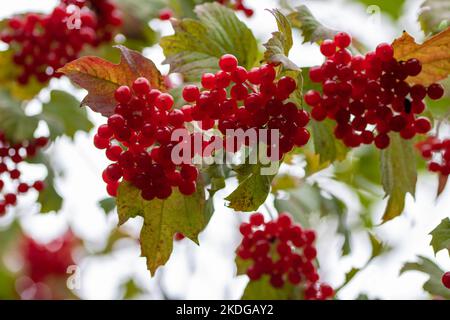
x,y
434,54
434,284
278,47
197,45
441,236
398,174
101,78
188,215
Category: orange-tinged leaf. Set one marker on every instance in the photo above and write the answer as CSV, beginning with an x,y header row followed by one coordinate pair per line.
x,y
434,54
101,77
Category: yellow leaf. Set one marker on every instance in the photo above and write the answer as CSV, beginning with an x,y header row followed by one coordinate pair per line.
x,y
434,54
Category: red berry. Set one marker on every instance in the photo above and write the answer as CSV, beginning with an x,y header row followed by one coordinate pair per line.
x,y
165,14
435,91
123,94
191,93
328,48
228,63
342,40
446,279
141,86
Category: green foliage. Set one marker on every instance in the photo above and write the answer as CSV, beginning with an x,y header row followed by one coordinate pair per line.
x,y
308,200
434,284
311,29
16,125
197,45
434,16
162,219
49,198
441,236
263,290
63,115
278,47
107,204
325,143
253,189
136,29
398,174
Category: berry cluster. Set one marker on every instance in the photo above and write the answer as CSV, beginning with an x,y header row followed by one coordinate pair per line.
x,y
283,251
446,279
11,183
256,100
237,5
43,43
437,152
368,96
137,138
46,260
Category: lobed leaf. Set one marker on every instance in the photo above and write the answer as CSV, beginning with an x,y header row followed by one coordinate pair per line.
x,y
434,284
197,45
441,236
162,219
278,47
433,53
101,78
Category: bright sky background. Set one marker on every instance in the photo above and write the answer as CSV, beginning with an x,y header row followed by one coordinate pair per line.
x,y
208,272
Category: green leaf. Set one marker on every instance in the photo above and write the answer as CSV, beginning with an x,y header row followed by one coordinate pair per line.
x,y
252,190
326,145
441,236
107,204
392,8
16,125
263,290
278,47
398,174
434,284
311,29
162,219
434,16
64,115
197,45
136,15
49,198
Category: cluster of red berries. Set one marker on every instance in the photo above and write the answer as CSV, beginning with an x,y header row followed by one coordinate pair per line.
x,y
285,252
11,179
237,5
368,96
48,260
446,279
138,139
437,152
256,100
43,43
